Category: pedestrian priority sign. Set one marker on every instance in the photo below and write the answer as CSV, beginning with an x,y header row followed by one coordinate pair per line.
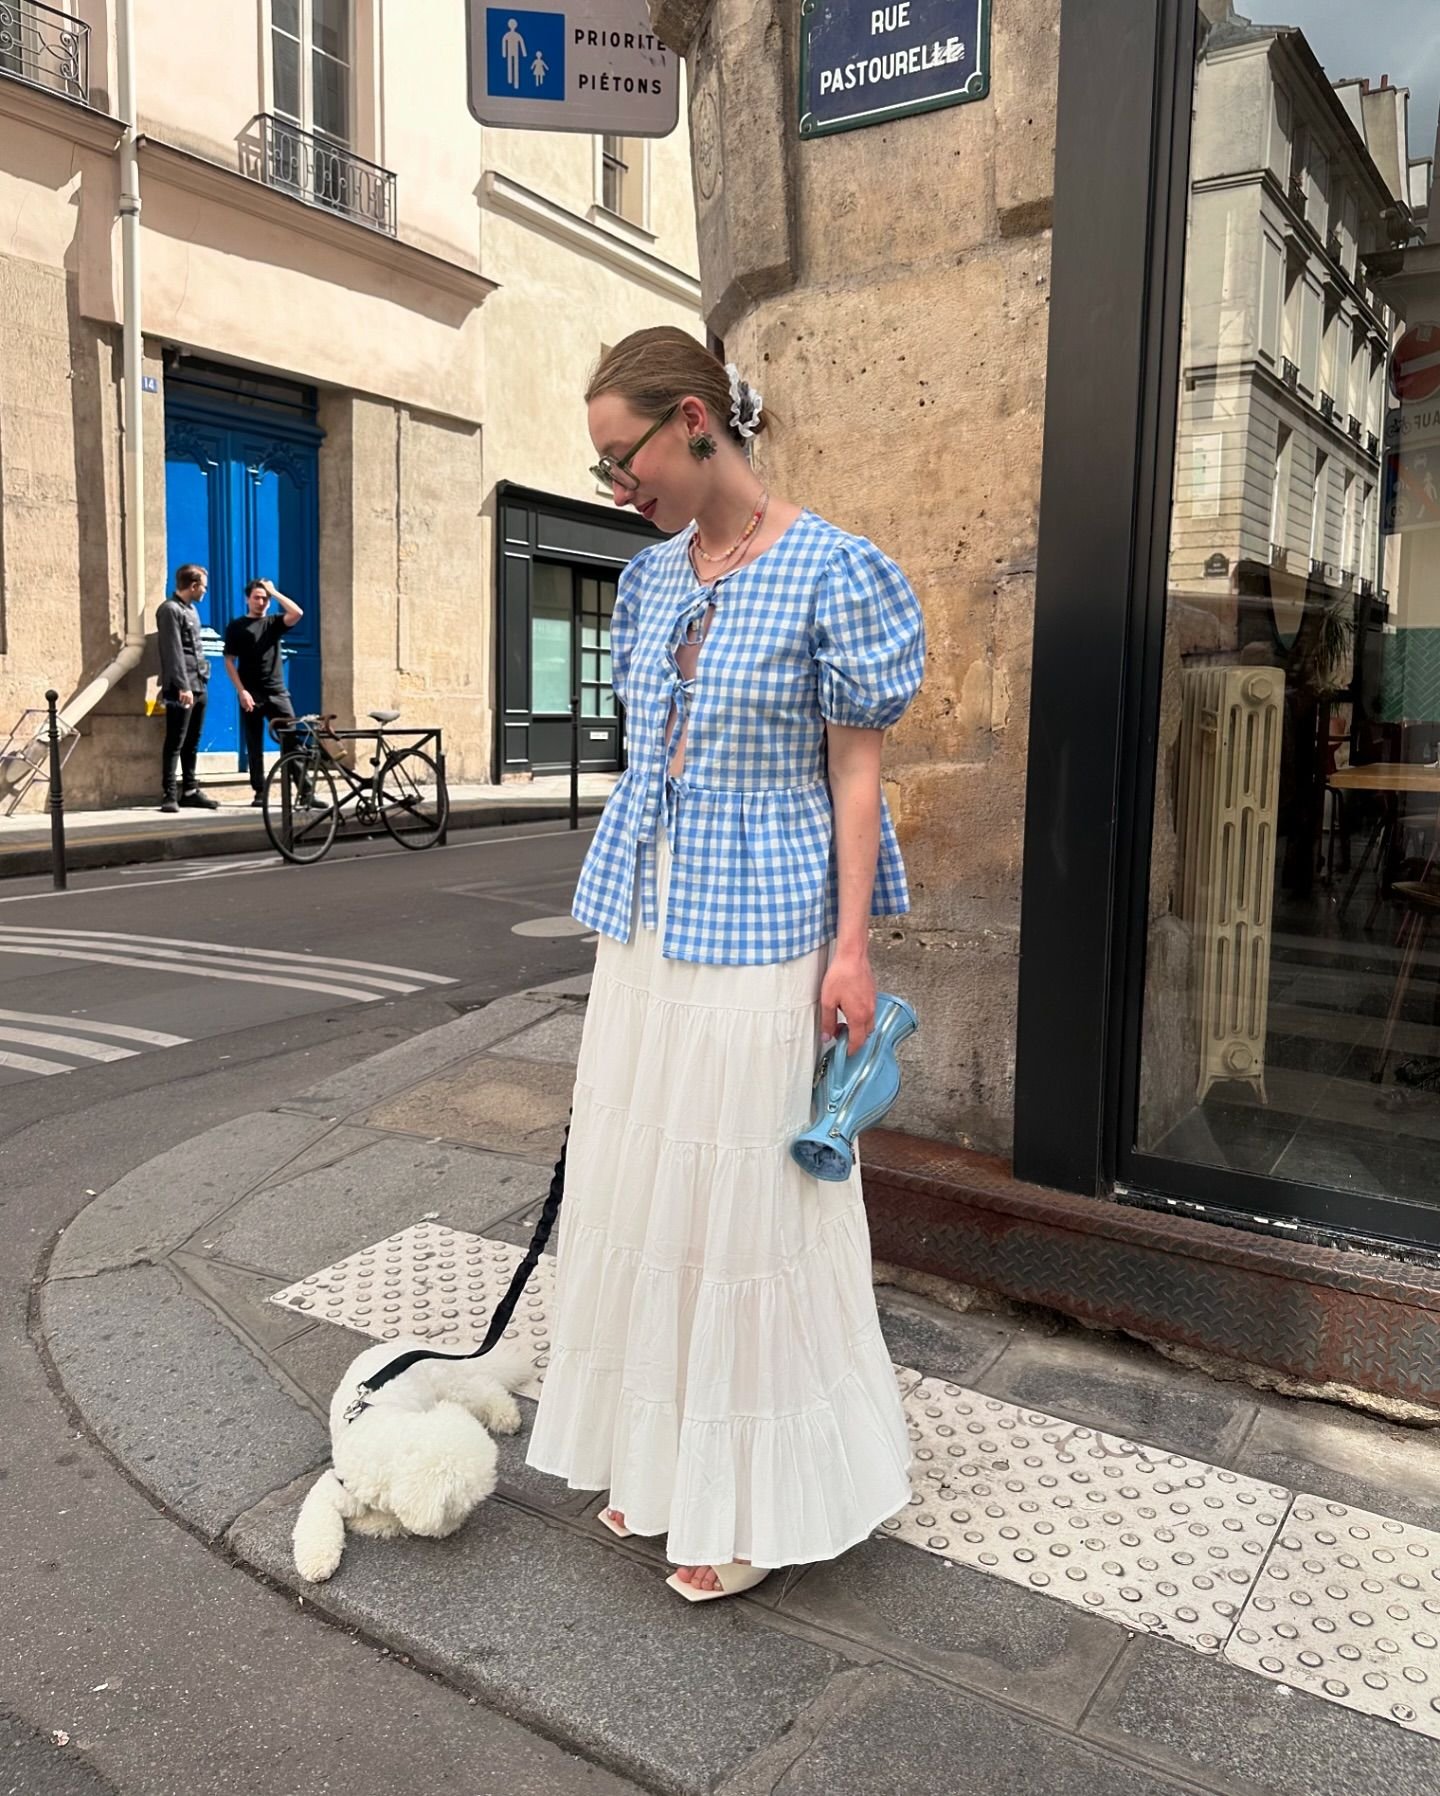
x,y
525,54
594,66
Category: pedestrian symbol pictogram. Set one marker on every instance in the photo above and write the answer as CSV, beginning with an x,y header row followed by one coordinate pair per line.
x,y
590,65
525,54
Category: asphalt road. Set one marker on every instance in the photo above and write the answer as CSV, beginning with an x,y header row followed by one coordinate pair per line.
x,y
204,1679
134,964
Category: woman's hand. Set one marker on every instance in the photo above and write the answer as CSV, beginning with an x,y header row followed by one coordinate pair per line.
x,y
849,987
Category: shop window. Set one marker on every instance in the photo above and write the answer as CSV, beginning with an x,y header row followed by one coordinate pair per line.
x,y
1291,979
551,639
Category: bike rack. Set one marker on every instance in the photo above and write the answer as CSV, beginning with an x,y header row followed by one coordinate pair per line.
x,y
384,740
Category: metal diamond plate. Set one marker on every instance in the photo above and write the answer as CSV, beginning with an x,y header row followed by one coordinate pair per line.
x,y
1348,1607
1160,1543
437,1283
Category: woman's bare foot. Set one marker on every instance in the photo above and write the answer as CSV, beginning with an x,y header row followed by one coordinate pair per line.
x,y
617,1516
702,1577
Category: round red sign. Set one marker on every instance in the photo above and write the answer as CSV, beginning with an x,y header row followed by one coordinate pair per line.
x,y
1415,365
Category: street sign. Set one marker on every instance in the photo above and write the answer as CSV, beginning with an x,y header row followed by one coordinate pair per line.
x,y
862,64
1411,495
1415,365
586,65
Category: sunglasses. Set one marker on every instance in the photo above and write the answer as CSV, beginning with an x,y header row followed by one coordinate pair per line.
x,y
613,471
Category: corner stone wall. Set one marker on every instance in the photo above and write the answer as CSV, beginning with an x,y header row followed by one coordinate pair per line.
x,y
887,288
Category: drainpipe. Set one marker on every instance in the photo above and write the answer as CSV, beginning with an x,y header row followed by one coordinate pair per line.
x,y
133,485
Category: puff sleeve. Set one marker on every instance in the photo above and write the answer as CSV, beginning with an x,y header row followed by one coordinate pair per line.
x,y
869,638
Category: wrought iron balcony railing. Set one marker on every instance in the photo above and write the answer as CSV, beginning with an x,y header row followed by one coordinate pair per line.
x,y
1372,444
1327,407
46,48
319,171
1289,373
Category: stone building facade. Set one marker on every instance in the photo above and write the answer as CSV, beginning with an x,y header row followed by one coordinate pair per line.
x,y
1110,337
889,288
363,316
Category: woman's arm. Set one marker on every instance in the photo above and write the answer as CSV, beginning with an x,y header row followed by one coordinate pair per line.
x,y
849,986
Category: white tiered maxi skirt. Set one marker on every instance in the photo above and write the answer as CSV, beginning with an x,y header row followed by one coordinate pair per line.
x,y
716,1362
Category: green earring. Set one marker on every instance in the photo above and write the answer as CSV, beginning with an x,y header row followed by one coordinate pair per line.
x,y
702,447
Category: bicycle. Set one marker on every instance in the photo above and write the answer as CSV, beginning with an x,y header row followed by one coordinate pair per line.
x,y
405,791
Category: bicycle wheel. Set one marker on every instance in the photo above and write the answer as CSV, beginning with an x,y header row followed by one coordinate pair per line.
x,y
414,804
314,808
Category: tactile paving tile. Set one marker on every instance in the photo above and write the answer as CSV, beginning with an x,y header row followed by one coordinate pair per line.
x,y
1160,1543
1348,1607
437,1283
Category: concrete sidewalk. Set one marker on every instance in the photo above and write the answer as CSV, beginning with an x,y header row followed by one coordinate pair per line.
x,y
118,838
947,1651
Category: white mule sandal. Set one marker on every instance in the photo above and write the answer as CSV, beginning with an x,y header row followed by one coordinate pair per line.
x,y
735,1580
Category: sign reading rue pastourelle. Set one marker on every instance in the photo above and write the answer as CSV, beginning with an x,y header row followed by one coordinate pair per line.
x,y
584,65
861,64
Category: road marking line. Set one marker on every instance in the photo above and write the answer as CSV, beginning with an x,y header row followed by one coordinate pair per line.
x,y
165,959
194,972
23,1063
485,839
162,944
153,1038
66,1044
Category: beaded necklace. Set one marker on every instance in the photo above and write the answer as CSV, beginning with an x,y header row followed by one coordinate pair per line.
x,y
757,517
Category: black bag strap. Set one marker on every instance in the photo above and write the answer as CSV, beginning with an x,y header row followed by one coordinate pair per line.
x,y
504,1310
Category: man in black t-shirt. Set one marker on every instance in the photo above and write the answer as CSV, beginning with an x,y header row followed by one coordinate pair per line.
x,y
253,662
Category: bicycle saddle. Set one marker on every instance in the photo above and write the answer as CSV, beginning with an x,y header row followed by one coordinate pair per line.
x,y
852,1094
383,716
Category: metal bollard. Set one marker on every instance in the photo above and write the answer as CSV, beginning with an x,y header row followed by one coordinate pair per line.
x,y
57,796
575,759
443,840
287,813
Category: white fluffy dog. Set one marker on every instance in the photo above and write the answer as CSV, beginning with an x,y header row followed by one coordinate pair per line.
x,y
417,1459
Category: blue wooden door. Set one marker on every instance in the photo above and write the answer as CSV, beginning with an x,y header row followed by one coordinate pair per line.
x,y
199,526
242,498
281,513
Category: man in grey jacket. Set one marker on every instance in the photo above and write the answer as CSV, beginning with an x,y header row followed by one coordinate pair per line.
x,y
184,684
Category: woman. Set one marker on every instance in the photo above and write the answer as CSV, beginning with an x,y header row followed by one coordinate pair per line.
x,y
717,1361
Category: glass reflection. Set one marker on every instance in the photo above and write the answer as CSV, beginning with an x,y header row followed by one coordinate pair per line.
x,y
1293,969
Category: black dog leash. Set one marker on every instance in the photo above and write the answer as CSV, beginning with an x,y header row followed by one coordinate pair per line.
x,y
499,1322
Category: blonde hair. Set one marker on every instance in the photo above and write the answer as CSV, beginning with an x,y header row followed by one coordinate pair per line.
x,y
655,369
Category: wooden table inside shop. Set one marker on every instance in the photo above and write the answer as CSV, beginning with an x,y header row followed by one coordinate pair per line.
x,y
1387,776
1392,780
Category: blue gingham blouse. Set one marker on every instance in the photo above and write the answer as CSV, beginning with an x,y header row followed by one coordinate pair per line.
x,y
819,628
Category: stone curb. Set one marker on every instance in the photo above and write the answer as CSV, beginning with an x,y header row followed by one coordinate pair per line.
x,y
97,848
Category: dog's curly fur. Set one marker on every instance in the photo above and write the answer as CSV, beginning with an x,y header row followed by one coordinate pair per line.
x,y
417,1460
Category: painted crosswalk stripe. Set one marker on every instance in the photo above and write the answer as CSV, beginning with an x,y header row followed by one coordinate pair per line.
x,y
66,1044
151,1038
51,951
320,962
26,1063
178,960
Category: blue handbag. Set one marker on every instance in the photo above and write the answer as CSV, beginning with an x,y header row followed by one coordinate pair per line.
x,y
852,1093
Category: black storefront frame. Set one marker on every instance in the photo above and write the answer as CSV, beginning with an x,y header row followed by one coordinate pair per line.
x,y
536,527
1113,375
